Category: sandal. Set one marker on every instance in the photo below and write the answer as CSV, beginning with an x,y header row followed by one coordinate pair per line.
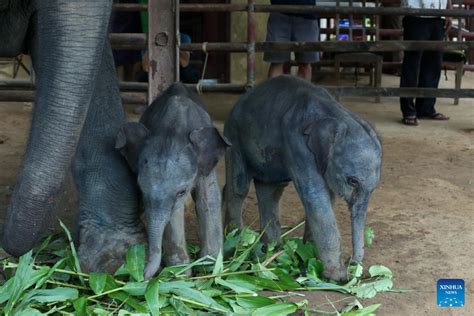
x,y
410,121
436,117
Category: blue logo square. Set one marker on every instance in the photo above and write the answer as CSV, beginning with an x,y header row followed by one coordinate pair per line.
x,y
450,292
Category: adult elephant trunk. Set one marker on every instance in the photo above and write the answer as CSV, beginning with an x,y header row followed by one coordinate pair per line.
x,y
68,43
358,215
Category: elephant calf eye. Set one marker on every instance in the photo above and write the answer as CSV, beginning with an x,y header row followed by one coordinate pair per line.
x,y
181,193
353,182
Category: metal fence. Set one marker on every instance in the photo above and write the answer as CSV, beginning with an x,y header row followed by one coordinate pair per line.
x,y
163,45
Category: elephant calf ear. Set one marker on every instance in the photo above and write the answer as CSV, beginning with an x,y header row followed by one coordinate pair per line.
x,y
129,139
323,135
209,146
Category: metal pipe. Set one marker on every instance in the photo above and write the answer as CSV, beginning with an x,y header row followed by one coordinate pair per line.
x,y
141,97
251,38
29,96
333,46
360,10
214,7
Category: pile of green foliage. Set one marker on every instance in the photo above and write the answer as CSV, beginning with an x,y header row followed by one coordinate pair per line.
x,y
49,281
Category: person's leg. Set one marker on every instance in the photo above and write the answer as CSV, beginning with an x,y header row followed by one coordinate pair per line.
x,y
430,72
275,70
305,30
304,71
278,29
413,29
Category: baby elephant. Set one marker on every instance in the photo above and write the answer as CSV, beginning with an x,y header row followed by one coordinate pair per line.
x,y
173,150
288,129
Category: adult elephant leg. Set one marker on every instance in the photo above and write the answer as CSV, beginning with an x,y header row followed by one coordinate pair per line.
x,y
69,40
109,217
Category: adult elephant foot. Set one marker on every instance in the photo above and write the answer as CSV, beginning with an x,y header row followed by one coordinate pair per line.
x,y
105,250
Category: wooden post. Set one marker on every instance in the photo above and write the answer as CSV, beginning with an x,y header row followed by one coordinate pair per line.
x,y
162,46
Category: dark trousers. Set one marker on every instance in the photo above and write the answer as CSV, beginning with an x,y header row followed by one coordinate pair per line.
x,y
421,68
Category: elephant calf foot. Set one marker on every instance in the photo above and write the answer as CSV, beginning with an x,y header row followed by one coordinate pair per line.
x,y
105,250
337,274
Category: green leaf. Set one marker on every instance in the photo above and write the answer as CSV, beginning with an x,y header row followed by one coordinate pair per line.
x,y
276,309
370,289
29,312
285,280
369,236
100,312
315,269
75,258
356,270
49,272
305,251
254,302
260,282
136,262
122,270
135,288
243,281
6,290
58,294
152,297
264,272
366,311
129,300
219,266
98,281
80,306
166,287
196,296
21,280
181,308
379,270
234,287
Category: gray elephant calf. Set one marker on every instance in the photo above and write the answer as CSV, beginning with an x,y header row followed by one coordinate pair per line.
x,y
174,149
285,130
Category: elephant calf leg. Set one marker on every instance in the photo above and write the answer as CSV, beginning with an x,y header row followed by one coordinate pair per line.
x,y
236,188
207,198
174,241
268,196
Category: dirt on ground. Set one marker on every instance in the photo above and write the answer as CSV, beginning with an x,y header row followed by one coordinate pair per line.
x,y
422,211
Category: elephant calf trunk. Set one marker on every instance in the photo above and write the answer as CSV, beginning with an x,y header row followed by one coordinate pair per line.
x,y
156,228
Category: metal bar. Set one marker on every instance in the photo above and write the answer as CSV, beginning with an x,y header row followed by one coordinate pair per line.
x,y
394,32
377,22
28,85
162,48
141,97
29,96
251,38
336,21
214,7
351,23
364,29
360,10
376,46
400,92
130,7
135,41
